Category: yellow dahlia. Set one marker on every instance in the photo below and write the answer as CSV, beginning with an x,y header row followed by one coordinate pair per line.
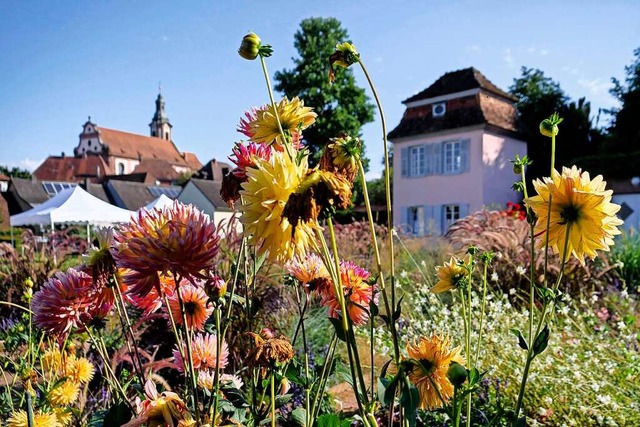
x,y
41,419
80,369
261,126
449,276
64,394
64,416
581,207
265,195
432,358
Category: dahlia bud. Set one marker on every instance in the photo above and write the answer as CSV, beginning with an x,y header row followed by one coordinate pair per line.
x,y
457,374
344,56
285,385
250,46
216,288
549,126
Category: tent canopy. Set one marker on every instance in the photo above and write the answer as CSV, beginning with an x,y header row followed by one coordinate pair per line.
x,y
159,203
73,206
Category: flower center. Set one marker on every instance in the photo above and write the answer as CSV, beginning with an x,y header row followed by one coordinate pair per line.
x,y
427,366
569,214
190,307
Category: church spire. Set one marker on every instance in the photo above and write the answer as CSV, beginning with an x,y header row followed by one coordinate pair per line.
x,y
160,125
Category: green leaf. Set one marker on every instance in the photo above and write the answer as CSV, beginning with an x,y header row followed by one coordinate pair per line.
x,y
118,415
398,312
328,420
409,400
521,342
542,340
299,416
337,325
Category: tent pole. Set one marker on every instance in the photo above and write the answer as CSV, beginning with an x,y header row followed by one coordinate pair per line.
x,y
88,235
53,245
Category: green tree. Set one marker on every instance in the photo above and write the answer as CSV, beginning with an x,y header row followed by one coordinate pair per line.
x,y
539,96
625,128
342,106
15,172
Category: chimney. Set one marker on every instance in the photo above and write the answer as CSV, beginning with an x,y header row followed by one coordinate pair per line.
x,y
62,154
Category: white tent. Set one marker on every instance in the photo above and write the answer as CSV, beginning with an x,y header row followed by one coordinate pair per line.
x,y
160,203
72,206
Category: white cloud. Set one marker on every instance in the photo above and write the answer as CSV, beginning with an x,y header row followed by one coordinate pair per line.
x,y
596,86
27,164
473,48
508,57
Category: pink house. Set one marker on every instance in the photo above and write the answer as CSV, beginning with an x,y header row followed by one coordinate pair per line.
x,y
451,152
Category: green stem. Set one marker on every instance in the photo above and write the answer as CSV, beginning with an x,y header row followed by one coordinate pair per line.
x,y
326,369
274,106
216,375
273,400
482,304
30,415
188,336
126,324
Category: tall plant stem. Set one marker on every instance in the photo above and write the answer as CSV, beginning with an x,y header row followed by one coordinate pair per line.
x,y
324,375
387,182
274,106
482,304
216,375
126,323
192,371
530,354
273,399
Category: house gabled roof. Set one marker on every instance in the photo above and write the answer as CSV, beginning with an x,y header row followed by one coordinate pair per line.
x,y
213,171
211,190
160,169
134,146
4,177
460,81
30,191
192,160
72,169
129,195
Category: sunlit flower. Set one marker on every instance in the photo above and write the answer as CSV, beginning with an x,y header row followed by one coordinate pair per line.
x,y
244,156
64,302
152,301
40,419
344,56
64,394
310,271
64,416
230,380
341,156
80,369
161,409
265,194
203,352
358,293
432,358
580,206
179,239
450,276
269,352
261,125
196,303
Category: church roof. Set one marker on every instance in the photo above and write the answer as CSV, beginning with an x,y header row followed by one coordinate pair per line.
x,y
134,146
160,169
459,81
72,169
192,160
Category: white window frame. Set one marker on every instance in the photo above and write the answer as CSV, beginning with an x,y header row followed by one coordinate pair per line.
x,y
452,157
416,220
417,163
450,214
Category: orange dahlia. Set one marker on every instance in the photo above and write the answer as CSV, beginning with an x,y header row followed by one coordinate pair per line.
x,y
152,301
358,293
64,302
204,351
310,271
178,239
431,359
196,304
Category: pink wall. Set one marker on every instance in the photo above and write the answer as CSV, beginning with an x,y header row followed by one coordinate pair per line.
x,y
498,176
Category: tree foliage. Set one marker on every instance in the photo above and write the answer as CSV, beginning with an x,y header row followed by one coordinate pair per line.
x,y
625,129
341,107
540,96
15,172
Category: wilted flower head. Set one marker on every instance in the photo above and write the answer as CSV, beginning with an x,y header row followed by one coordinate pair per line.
x,y
178,239
269,353
230,188
196,304
358,293
344,56
40,419
450,275
341,156
431,359
261,126
161,409
64,302
265,195
244,156
203,352
580,206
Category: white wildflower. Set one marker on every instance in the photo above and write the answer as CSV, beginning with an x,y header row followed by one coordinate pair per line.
x,y
621,325
494,277
624,294
520,270
512,291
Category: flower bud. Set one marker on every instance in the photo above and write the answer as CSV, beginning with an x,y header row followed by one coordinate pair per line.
x,y
28,283
250,46
285,385
216,288
457,374
517,168
548,129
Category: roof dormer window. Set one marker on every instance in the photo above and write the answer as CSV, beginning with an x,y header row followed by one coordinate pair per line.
x,y
439,109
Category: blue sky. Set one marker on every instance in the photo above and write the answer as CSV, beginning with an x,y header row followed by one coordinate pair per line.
x,y
65,60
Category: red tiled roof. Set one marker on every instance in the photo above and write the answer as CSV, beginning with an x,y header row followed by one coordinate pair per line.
x,y
192,160
158,168
4,177
459,81
134,146
71,169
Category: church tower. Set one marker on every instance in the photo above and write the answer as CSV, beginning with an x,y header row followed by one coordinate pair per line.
x,y
160,126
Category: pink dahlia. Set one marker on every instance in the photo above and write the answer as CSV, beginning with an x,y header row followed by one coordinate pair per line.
x,y
197,307
358,293
179,239
203,351
244,156
64,302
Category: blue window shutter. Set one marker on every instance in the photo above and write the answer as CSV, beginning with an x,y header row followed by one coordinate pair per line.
x,y
437,158
428,219
428,161
464,155
464,210
404,160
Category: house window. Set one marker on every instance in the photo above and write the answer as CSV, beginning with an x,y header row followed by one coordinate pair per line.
x,y
416,220
452,157
89,143
438,110
120,168
451,214
417,161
